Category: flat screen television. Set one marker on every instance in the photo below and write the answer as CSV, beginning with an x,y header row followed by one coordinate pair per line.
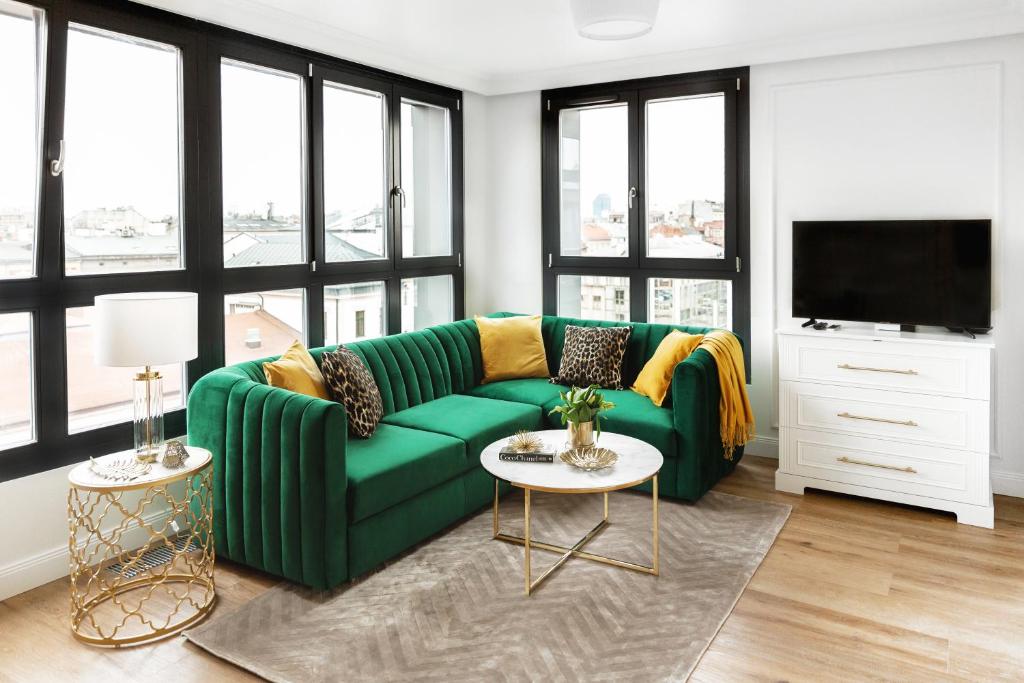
x,y
935,272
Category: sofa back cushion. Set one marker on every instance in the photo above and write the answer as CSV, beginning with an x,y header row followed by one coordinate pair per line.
x,y
642,344
416,367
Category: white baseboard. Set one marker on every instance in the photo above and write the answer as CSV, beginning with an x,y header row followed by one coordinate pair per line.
x,y
36,570
1008,484
765,446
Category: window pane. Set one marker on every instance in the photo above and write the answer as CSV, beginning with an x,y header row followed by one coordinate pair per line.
x,y
261,324
426,301
353,312
594,181
122,132
16,401
426,180
355,184
702,303
262,165
593,297
686,177
21,79
100,396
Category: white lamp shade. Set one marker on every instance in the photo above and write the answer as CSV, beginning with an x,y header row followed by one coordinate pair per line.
x,y
146,328
613,19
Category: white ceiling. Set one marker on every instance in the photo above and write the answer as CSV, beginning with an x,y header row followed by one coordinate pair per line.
x,y
502,46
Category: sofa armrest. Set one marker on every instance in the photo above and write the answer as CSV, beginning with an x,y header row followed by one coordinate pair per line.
x,y
695,397
279,476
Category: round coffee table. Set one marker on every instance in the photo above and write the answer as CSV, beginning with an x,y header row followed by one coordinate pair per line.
x,y
638,462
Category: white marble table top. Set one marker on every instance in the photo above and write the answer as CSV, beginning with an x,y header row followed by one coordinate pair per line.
x,y
638,461
82,477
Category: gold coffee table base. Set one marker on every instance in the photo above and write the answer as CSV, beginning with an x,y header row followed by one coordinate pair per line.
x,y
576,550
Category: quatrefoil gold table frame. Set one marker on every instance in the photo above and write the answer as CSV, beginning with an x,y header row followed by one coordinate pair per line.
x,y
119,597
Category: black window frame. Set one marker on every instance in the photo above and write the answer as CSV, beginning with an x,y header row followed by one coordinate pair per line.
x,y
637,266
50,292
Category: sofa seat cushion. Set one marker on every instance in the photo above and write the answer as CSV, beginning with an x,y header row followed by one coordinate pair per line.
x,y
634,415
476,421
536,392
396,464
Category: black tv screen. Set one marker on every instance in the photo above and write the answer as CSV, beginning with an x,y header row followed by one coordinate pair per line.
x,y
907,272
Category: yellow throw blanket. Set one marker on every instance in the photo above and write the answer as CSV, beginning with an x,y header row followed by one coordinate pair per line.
x,y
737,419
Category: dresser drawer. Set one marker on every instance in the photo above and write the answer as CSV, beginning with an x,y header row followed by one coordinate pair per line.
x,y
916,368
931,420
889,465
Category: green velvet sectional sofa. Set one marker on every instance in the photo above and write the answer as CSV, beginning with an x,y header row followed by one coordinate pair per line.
x,y
296,496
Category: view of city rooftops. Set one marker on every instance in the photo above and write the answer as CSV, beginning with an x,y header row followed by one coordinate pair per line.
x,y
695,228
122,239
685,172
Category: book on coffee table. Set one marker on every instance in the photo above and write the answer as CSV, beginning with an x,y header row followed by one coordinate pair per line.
x,y
510,455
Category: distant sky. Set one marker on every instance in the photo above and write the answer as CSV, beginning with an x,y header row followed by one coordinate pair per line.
x,y
17,112
353,150
121,125
261,131
685,153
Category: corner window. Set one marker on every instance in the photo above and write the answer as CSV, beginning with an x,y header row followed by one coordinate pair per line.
x,y
645,201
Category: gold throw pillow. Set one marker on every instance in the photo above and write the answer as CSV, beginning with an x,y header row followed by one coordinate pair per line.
x,y
296,371
656,376
511,348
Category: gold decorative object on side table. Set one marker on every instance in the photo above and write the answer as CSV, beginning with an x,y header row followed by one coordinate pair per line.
x,y
175,455
141,549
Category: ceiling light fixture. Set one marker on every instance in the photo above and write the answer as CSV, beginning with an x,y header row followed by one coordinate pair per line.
x,y
613,19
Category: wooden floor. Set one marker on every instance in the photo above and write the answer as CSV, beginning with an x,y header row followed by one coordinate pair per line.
x,y
852,590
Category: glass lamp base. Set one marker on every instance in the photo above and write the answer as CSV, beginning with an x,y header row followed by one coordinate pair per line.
x,y
148,402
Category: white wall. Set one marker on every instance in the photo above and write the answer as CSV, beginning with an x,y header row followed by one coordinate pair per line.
x,y
917,133
503,237
34,541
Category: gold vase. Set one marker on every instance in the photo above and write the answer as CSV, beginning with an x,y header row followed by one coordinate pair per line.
x,y
580,434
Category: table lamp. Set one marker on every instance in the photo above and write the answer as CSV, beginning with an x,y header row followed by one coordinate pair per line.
x,y
143,329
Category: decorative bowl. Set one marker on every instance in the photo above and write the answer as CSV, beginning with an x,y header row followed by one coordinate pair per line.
x,y
589,458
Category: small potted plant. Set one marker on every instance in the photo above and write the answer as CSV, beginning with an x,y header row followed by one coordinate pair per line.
x,y
580,411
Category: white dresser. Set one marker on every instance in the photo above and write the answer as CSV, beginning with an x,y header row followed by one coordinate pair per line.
x,y
904,417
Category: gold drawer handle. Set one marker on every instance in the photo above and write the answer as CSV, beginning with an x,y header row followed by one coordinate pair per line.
x,y
847,366
905,423
851,461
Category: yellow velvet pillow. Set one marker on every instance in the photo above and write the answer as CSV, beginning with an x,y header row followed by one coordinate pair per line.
x,y
296,371
653,381
511,348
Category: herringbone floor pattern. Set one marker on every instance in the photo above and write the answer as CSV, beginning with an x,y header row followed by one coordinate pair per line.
x,y
453,609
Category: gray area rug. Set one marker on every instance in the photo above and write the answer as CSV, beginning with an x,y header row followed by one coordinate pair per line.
x,y
453,608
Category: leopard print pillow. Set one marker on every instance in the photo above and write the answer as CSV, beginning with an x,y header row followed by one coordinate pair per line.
x,y
593,355
351,384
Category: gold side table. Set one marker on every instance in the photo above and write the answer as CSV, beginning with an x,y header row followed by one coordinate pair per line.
x,y
141,551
